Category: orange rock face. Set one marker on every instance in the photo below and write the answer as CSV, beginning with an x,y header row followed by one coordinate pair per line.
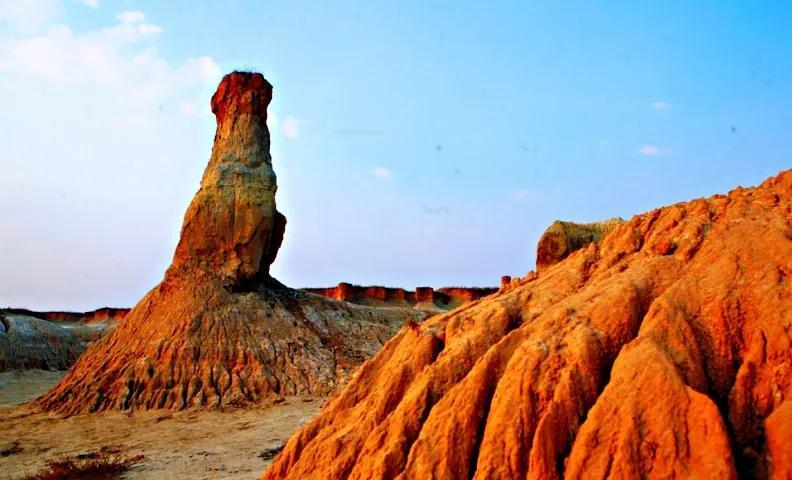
x,y
232,229
219,331
106,314
422,298
662,351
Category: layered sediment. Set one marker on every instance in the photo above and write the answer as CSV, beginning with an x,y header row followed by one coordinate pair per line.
x,y
426,298
105,314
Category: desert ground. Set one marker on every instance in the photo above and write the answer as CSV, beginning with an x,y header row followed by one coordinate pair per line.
x,y
232,444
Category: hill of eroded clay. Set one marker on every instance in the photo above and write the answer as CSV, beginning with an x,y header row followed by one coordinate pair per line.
x,y
32,343
662,351
50,340
219,330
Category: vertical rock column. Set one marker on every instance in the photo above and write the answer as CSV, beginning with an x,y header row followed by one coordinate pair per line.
x,y
232,228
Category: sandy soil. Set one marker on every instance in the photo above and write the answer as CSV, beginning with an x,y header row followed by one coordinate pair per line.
x,y
20,386
191,444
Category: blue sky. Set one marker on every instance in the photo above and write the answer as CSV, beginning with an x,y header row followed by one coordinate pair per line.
x,y
416,143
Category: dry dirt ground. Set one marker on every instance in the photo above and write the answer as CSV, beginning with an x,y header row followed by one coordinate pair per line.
x,y
20,386
191,444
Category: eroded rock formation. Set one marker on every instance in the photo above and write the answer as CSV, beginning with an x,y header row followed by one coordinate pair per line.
x,y
562,238
232,229
219,331
664,350
105,314
57,337
425,298
29,342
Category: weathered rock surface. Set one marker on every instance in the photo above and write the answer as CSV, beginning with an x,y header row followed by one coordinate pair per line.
x,y
219,331
562,238
28,342
662,351
425,298
85,327
105,314
232,229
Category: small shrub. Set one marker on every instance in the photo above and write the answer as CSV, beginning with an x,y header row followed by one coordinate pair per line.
x,y
86,467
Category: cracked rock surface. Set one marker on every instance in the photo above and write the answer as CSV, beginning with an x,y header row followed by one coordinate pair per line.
x,y
662,351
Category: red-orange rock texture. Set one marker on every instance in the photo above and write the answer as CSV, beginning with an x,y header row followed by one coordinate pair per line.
x,y
662,351
423,297
232,229
219,331
105,314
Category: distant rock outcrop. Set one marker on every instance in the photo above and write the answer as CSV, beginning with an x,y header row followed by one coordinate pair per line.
x,y
28,342
562,238
83,326
219,331
105,314
663,350
423,298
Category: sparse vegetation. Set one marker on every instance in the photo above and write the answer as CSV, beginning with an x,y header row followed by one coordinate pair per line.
x,y
580,234
562,238
98,466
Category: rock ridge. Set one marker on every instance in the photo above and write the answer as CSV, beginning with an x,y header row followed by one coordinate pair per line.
x,y
663,350
426,298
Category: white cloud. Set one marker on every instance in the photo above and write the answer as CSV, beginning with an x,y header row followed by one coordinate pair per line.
x,y
661,105
653,151
523,193
204,67
90,3
291,128
188,107
132,25
99,133
381,172
272,120
148,29
118,59
28,15
131,16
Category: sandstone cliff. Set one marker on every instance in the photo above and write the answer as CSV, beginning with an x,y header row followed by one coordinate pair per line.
x,y
425,298
219,331
664,350
105,314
